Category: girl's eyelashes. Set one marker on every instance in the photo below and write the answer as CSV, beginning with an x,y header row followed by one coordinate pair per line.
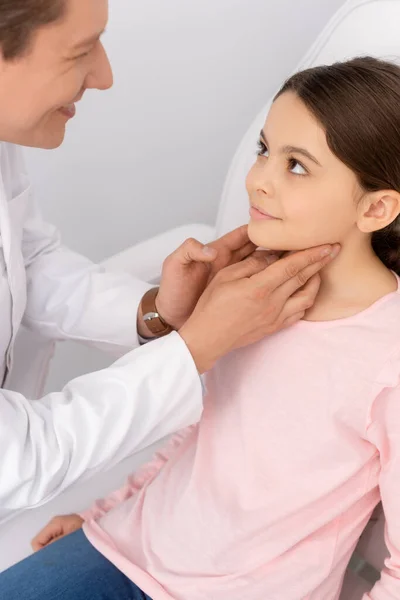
x,y
261,148
294,166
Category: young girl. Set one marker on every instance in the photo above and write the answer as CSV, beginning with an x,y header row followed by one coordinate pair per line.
x,y
300,437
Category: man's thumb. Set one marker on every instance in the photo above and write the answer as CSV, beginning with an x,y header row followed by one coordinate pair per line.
x,y
209,252
194,251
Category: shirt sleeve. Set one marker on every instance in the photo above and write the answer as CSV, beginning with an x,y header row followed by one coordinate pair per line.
x,y
96,421
142,477
69,297
384,433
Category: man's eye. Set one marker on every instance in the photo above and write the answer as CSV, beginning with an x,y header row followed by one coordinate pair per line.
x,y
262,149
82,55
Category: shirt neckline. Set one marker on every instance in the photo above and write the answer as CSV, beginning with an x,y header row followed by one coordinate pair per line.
x,y
357,316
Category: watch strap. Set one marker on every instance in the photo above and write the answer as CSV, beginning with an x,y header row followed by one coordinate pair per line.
x,y
154,322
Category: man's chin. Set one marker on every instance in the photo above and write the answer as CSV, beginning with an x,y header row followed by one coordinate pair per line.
x,y
51,141
44,139
52,145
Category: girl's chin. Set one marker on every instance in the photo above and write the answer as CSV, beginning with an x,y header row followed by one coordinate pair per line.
x,y
265,240
260,236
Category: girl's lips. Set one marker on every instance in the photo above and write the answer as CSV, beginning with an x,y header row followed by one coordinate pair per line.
x,y
258,215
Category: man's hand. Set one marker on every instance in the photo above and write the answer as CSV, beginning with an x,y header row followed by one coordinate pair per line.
x,y
55,530
187,271
249,300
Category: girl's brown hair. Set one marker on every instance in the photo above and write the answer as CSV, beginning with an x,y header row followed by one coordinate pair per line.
x,y
19,19
358,104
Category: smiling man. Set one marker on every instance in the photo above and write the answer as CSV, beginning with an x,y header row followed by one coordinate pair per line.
x,y
49,66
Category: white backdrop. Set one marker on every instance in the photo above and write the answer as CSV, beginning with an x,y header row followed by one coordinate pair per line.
x,y
152,153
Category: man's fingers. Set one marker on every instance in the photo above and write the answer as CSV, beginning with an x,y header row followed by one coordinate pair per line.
x,y
193,251
234,240
292,319
269,256
243,252
236,243
248,267
303,299
292,272
289,288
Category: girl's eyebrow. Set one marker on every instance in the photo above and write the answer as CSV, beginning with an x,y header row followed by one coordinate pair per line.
x,y
292,149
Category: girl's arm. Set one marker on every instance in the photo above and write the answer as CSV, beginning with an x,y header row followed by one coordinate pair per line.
x,y
139,479
384,433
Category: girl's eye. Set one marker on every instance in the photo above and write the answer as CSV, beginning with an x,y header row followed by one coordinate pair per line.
x,y
296,167
262,148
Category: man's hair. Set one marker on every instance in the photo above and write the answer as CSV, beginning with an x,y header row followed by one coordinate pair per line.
x,y
19,20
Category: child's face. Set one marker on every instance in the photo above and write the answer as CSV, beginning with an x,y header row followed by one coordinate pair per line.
x,y
311,203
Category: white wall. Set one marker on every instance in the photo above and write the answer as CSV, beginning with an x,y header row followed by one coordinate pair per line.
x,y
153,152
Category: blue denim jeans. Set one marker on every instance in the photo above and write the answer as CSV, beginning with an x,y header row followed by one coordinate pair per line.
x,y
70,569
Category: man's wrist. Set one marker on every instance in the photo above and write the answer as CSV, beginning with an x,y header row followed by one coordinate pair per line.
x,y
150,324
198,347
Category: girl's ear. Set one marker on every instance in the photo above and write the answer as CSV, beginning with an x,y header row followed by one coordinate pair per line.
x,y
377,210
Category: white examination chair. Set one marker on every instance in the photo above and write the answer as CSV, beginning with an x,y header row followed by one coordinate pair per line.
x,y
360,27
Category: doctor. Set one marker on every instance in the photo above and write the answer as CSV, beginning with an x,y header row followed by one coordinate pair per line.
x,y
50,53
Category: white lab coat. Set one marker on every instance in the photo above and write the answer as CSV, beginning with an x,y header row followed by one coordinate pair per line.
x,y
97,419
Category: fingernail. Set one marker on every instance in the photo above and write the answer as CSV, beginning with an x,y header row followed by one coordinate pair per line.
x,y
335,251
209,251
271,259
332,251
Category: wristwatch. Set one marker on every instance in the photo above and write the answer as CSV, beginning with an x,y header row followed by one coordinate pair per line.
x,y
154,322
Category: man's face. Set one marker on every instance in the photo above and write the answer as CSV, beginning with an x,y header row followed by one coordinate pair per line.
x,y
39,89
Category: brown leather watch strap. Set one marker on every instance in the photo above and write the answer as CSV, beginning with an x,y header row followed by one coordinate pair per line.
x,y
154,322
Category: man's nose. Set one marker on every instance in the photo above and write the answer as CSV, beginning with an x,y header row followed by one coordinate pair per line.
x,y
101,76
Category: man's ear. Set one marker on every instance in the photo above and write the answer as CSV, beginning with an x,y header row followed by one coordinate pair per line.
x,y
377,210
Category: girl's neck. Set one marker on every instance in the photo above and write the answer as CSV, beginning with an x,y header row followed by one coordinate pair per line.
x,y
351,283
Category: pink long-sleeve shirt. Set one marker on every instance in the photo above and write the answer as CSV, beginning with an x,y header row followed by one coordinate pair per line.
x,y
266,498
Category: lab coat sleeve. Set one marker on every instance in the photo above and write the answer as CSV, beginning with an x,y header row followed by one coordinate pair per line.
x,y
384,433
69,297
94,422
144,476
